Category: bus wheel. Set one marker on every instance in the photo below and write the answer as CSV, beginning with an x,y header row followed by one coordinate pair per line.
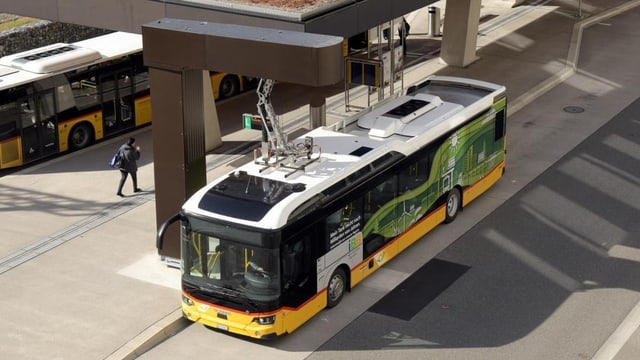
x,y
81,136
335,290
453,205
229,86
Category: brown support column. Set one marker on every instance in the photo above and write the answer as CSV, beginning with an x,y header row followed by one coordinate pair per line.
x,y
194,131
179,162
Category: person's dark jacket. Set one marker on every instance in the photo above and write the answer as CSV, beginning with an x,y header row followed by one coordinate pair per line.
x,y
129,156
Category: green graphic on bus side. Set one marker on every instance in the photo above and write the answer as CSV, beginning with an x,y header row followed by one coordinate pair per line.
x,y
461,160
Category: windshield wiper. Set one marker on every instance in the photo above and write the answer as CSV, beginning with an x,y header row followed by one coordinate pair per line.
x,y
254,305
225,290
210,288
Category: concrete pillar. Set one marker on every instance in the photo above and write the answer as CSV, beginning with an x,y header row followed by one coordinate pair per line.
x,y
317,116
460,32
212,136
179,161
317,109
514,3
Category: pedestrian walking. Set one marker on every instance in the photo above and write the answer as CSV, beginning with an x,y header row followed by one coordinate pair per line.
x,y
403,32
129,154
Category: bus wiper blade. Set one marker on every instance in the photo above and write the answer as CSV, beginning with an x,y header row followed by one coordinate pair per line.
x,y
252,304
214,288
208,288
223,289
235,296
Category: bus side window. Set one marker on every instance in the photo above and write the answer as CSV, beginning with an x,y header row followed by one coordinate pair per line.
x,y
344,223
380,215
8,131
410,178
8,128
298,256
84,88
140,74
416,174
334,220
500,125
293,264
46,105
27,115
379,196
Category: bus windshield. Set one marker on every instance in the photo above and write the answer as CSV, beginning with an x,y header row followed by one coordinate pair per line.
x,y
247,272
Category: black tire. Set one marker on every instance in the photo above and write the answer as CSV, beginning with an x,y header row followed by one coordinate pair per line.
x,y
336,287
229,86
81,136
454,201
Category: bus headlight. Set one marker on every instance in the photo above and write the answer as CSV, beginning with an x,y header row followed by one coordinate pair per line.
x,y
186,300
265,320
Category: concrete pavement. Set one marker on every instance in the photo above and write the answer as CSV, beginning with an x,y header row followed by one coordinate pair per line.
x,y
78,267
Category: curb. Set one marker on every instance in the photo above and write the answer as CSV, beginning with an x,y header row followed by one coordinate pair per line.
x,y
155,334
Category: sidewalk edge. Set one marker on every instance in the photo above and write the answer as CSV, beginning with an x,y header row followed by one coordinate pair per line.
x,y
155,334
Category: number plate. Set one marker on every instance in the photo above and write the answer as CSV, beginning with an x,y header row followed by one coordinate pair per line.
x,y
222,327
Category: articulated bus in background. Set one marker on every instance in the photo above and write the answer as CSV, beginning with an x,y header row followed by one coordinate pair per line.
x,y
227,85
67,96
274,242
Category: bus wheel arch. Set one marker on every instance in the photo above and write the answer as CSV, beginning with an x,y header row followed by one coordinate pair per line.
x,y
81,136
229,86
453,204
337,286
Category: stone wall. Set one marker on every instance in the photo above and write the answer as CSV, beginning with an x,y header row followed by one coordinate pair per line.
x,y
41,33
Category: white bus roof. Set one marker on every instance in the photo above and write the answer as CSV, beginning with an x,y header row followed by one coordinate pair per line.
x,y
36,64
401,125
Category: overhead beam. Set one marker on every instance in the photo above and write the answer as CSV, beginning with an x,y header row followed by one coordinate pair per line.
x,y
288,56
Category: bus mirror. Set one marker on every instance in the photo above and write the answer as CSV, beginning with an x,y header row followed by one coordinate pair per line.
x,y
163,229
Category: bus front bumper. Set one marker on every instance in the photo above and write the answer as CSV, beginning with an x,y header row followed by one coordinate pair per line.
x,y
237,323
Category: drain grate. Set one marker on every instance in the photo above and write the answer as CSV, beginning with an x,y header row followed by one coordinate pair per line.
x,y
573,109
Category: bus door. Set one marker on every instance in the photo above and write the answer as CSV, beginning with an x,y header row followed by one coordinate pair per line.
x,y
38,119
116,91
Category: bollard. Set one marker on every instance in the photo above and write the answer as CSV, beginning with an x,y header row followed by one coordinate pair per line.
x,y
434,21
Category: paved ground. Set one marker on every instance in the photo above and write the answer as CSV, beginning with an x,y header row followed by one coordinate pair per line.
x,y
78,267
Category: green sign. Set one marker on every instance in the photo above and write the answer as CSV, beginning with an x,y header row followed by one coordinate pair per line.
x,y
254,122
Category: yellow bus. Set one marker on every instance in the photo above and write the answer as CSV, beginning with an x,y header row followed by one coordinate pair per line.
x,y
272,243
64,97
226,85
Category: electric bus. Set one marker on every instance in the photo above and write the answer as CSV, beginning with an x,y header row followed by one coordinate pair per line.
x,y
272,243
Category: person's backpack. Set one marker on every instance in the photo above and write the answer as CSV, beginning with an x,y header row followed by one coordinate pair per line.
x,y
116,160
